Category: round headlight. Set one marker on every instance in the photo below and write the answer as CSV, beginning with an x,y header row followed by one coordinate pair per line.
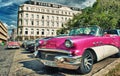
x,y
68,43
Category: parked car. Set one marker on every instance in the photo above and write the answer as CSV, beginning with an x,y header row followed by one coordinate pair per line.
x,y
32,47
29,44
79,50
115,32
24,43
13,44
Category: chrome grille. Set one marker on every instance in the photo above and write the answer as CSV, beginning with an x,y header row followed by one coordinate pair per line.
x,y
51,55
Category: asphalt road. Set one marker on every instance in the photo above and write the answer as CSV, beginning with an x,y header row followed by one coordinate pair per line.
x,y
25,65
6,58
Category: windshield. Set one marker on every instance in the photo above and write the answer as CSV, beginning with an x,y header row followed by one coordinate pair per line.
x,y
85,30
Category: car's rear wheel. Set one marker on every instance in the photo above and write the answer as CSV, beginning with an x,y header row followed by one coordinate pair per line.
x,y
86,62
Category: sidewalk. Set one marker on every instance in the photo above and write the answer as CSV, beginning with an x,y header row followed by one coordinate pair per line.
x,y
104,71
2,47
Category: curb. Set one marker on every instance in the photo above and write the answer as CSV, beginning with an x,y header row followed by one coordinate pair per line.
x,y
109,67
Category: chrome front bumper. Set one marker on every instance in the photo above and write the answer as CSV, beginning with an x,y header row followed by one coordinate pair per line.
x,y
67,62
13,46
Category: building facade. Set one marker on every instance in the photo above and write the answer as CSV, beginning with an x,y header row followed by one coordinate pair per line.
x,y
39,19
14,34
3,33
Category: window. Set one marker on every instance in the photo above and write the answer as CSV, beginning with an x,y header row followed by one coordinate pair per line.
x,y
32,16
37,3
26,14
57,18
42,31
48,11
26,22
32,31
26,28
52,23
32,9
69,13
42,16
37,22
38,9
42,23
20,31
62,12
52,11
48,23
52,17
62,25
26,32
37,16
48,17
20,15
65,18
52,32
26,8
57,23
37,31
48,32
20,22
62,18
66,13
57,12
32,22
42,10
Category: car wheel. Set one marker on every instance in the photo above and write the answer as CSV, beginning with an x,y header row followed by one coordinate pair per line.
x,y
86,63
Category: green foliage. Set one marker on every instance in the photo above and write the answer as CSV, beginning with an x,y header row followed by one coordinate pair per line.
x,y
104,13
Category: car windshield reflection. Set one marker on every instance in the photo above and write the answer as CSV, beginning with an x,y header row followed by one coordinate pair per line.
x,y
85,31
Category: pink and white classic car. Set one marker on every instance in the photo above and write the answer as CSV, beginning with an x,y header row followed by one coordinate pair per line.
x,y
79,50
13,44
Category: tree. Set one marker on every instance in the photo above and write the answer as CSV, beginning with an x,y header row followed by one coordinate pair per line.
x,y
104,13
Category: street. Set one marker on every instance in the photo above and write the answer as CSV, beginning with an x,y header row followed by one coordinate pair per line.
x,y
6,58
18,62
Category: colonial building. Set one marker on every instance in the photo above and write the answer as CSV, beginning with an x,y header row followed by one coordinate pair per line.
x,y
39,19
3,33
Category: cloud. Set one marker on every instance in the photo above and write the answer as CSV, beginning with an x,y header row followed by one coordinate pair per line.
x,y
5,4
73,3
88,3
10,2
9,27
12,27
6,25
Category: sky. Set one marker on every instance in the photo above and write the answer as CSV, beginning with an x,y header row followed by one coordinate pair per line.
x,y
9,9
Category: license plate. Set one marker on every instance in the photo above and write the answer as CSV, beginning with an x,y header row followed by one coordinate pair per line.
x,y
50,63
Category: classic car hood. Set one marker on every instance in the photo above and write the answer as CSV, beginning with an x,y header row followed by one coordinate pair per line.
x,y
58,42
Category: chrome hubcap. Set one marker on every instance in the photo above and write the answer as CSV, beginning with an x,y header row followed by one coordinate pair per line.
x,y
88,62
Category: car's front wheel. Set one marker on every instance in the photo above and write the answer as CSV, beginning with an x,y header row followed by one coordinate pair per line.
x,y
86,62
